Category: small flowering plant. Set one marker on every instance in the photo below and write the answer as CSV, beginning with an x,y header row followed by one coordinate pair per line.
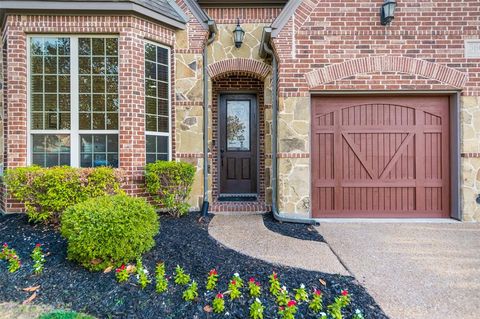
x,y
161,281
288,311
121,273
212,280
254,288
38,258
274,284
301,294
239,280
142,275
181,278
191,292
323,315
218,303
282,296
256,309
233,287
342,301
10,255
358,314
316,303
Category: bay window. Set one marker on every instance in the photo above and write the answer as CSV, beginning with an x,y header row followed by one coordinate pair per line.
x,y
73,101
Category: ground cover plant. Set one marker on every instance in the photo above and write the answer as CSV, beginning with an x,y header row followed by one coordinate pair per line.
x,y
184,242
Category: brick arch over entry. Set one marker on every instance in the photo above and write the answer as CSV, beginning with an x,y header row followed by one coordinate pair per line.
x,y
429,70
240,66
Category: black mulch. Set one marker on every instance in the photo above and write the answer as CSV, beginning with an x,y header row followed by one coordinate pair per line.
x,y
185,242
295,230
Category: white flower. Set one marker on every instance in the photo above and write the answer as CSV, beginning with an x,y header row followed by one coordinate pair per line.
x,y
284,288
145,271
302,286
358,311
236,274
323,314
258,300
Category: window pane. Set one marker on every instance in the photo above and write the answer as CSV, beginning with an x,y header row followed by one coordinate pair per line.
x,y
50,150
84,46
157,148
99,150
50,83
162,55
99,84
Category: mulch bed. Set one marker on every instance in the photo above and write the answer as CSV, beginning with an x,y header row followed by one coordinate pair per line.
x,y
295,230
185,242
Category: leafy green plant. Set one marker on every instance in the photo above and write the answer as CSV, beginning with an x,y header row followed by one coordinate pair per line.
x,y
234,287
358,314
108,231
283,297
170,184
212,280
61,314
340,302
316,303
254,288
181,278
38,257
301,294
191,293
256,309
218,303
48,192
142,274
122,274
161,281
275,286
10,255
289,310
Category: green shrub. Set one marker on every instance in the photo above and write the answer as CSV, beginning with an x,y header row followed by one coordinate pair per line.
x,y
47,192
170,184
60,314
109,230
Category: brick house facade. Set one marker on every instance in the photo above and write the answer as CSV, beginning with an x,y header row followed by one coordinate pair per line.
x,y
328,53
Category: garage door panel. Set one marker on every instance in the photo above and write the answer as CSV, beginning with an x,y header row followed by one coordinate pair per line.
x,y
381,156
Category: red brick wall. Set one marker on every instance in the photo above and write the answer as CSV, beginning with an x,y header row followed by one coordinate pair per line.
x,y
245,15
238,83
132,32
327,32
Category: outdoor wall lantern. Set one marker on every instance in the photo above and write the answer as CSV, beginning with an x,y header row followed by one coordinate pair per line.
x,y
387,12
238,35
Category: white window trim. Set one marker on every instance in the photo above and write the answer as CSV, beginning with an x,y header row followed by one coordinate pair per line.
x,y
74,131
169,85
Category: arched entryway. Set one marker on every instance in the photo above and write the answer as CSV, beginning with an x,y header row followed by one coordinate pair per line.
x,y
238,142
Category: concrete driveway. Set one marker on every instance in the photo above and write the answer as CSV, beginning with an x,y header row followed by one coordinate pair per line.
x,y
421,270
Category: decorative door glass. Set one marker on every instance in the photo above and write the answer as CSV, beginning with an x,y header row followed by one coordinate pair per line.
x,y
238,125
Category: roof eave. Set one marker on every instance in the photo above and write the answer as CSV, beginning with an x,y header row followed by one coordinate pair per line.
x,y
284,16
90,6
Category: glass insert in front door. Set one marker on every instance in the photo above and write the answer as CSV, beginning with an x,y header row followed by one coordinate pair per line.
x,y
238,125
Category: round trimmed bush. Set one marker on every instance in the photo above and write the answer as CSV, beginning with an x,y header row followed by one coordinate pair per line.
x,y
108,231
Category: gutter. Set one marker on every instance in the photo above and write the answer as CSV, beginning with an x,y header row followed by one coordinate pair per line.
x,y
212,31
266,52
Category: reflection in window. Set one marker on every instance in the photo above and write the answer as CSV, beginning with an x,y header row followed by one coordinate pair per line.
x,y
50,150
99,150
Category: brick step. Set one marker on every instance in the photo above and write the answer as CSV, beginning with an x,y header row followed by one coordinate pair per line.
x,y
229,207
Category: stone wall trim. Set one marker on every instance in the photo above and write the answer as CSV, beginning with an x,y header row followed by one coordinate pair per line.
x,y
430,70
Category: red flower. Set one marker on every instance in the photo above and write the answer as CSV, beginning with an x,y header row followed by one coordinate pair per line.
x,y
291,303
258,284
252,280
317,292
344,292
122,267
282,308
274,275
219,296
233,282
5,245
38,245
212,272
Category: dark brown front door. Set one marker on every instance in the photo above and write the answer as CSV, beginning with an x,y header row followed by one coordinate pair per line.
x,y
238,144
380,156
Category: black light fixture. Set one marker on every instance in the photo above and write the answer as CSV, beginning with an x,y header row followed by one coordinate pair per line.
x,y
238,35
387,11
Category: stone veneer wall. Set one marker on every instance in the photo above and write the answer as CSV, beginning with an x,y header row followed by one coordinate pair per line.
x,y
340,45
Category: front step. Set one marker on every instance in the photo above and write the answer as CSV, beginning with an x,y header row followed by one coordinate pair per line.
x,y
239,207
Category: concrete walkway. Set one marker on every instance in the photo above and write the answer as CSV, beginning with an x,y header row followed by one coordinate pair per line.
x,y
248,235
413,270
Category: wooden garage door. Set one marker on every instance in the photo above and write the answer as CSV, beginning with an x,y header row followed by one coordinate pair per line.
x,y
380,157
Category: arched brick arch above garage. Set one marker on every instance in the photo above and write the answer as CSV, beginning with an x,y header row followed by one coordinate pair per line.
x,y
385,64
239,66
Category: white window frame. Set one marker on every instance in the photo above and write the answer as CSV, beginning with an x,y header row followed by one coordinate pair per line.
x,y
74,132
169,86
